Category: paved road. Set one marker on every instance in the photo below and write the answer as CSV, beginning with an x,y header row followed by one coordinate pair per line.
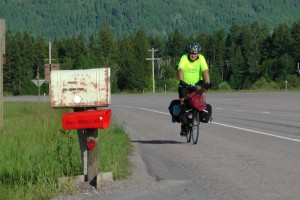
x,y
249,151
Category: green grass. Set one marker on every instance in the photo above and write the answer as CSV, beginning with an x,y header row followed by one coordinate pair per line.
x,y
35,151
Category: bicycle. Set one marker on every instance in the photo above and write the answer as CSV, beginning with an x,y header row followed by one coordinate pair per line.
x,y
192,126
193,116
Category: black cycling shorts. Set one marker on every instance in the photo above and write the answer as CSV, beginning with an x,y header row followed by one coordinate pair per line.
x,y
183,92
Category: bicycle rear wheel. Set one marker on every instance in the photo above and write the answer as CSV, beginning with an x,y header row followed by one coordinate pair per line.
x,y
195,128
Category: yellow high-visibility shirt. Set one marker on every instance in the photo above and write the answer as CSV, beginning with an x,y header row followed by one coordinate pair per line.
x,y
192,71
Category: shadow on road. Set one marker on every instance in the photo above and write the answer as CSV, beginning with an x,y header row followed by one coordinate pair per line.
x,y
157,141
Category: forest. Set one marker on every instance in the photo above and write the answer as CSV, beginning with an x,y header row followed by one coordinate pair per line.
x,y
248,56
66,18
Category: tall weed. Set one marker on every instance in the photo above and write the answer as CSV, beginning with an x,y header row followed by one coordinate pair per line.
x,y
35,151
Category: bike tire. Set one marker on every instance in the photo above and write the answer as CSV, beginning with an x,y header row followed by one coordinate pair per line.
x,y
195,128
189,134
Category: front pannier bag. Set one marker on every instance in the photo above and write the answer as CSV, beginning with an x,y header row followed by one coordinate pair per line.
x,y
205,115
174,109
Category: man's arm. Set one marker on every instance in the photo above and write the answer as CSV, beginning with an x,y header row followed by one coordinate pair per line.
x,y
207,83
206,76
181,77
180,74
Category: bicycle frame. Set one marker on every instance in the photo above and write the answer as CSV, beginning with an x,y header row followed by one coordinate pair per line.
x,y
192,118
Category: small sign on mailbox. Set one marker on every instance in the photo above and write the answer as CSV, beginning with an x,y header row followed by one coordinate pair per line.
x,y
80,88
86,119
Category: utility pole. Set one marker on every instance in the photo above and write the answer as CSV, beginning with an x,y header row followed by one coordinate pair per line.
x,y
50,59
38,78
153,59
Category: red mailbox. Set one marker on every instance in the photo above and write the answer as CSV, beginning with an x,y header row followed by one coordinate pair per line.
x,y
86,119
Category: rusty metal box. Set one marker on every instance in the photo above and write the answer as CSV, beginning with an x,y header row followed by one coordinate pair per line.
x,y
80,88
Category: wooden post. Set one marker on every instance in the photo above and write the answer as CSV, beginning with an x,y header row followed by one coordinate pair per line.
x,y
82,144
2,51
90,158
92,155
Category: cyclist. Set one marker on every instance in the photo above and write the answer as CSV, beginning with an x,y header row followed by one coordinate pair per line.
x,y
192,68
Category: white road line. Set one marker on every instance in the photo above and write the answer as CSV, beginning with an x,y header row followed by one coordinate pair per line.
x,y
253,131
235,127
143,109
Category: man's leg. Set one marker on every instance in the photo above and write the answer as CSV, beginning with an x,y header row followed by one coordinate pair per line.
x,y
182,94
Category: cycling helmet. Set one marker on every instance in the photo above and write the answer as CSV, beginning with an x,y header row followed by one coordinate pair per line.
x,y
194,47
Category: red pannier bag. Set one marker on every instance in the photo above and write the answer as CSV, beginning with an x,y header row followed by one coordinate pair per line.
x,y
194,100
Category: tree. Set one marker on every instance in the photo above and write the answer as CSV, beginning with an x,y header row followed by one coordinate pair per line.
x,y
215,55
41,52
232,43
142,68
295,32
176,46
126,74
282,43
282,40
107,45
107,52
237,78
8,68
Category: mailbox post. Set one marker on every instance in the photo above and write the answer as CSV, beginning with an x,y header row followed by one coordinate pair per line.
x,y
85,91
93,157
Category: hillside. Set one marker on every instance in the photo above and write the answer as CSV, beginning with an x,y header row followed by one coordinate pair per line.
x,y
61,18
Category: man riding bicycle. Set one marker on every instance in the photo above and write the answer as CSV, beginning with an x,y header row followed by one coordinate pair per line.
x,y
192,69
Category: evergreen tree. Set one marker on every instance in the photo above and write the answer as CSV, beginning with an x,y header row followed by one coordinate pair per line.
x,y
28,68
281,40
282,45
232,42
237,79
217,48
107,53
126,74
295,32
107,45
142,68
41,52
8,68
176,46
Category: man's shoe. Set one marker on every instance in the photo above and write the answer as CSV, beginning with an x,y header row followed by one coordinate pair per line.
x,y
183,131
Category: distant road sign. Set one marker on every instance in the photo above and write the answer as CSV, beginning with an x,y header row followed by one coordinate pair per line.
x,y
38,83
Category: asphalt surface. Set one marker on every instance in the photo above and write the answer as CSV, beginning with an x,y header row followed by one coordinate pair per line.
x,y
249,151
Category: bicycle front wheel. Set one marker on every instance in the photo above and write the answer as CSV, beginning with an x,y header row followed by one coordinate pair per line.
x,y
195,128
189,134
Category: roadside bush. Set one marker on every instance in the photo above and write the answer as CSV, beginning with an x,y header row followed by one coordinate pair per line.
x,y
224,86
170,84
262,83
